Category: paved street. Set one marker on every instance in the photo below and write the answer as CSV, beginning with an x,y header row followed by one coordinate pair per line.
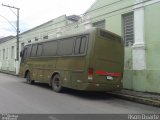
x,y
16,96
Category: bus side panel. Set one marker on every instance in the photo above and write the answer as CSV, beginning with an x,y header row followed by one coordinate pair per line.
x,y
80,78
49,68
68,65
22,70
42,68
33,64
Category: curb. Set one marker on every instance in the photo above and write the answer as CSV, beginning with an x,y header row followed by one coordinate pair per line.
x,y
137,99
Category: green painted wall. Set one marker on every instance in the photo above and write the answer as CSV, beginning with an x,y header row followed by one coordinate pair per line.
x,y
147,80
139,80
116,27
128,72
142,80
103,9
152,36
113,22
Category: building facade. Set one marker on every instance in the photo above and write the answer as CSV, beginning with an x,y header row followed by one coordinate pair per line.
x,y
51,29
137,21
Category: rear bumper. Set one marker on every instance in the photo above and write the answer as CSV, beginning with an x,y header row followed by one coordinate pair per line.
x,y
99,87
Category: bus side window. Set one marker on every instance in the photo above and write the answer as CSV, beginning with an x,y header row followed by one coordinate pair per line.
x,y
29,50
39,49
66,46
50,48
77,45
80,45
34,50
83,45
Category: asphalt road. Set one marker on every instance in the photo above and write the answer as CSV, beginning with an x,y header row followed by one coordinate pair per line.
x,y
16,96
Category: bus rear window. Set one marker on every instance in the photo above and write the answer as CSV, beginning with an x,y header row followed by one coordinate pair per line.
x,y
66,46
80,45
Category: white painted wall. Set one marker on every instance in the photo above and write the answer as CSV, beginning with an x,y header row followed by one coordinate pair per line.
x,y
53,28
10,64
138,52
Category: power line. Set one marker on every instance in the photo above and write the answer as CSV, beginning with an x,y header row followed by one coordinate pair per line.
x,y
17,55
80,14
8,22
85,13
114,11
102,7
93,10
122,8
71,25
12,11
108,13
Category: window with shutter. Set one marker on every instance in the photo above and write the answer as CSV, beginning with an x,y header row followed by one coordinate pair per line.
x,y
128,29
99,24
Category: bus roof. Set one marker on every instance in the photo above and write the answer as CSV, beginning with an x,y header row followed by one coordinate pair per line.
x,y
93,29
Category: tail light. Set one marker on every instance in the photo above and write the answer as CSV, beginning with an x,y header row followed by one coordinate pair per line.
x,y
90,73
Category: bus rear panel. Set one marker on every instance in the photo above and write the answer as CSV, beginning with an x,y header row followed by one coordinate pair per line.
x,y
104,70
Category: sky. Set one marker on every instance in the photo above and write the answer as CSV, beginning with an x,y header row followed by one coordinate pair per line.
x,y
36,12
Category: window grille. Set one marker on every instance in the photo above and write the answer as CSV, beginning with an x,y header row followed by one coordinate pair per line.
x,y
99,24
128,29
45,37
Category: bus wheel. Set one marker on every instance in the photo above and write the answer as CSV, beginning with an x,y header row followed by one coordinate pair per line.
x,y
56,83
28,78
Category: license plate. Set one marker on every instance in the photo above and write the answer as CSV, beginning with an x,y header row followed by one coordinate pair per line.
x,y
109,78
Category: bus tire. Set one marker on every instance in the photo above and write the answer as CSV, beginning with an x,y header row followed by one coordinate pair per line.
x,y
28,78
56,83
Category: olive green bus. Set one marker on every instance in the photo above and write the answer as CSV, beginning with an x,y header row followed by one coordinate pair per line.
x,y
92,60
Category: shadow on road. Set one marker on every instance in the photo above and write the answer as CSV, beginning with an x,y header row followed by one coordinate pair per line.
x,y
38,84
77,93
89,95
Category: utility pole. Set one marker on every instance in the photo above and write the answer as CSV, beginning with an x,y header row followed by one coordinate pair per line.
x,y
17,54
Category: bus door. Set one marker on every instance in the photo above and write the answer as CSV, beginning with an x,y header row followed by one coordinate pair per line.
x,y
40,72
33,63
24,57
40,63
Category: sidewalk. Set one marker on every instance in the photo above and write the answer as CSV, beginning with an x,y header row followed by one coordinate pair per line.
x,y
140,97
8,72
